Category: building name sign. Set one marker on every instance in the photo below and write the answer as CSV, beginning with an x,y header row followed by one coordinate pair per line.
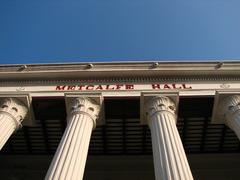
x,y
101,87
196,88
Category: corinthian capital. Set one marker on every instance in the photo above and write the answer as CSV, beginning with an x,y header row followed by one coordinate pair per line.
x,y
14,108
229,106
85,105
160,104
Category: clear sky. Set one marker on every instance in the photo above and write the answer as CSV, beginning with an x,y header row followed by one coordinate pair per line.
x,y
47,31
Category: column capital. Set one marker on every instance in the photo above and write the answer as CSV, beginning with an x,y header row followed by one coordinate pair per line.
x,y
225,104
85,105
160,104
152,103
16,109
26,101
89,104
226,110
229,105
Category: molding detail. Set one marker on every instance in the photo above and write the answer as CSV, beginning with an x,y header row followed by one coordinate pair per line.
x,y
170,160
108,79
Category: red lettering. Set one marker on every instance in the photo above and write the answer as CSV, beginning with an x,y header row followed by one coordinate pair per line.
x,y
89,87
129,86
174,86
60,88
71,87
119,86
99,87
107,87
166,86
156,86
80,87
185,87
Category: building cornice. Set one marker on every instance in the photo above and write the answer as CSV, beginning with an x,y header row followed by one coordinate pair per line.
x,y
117,70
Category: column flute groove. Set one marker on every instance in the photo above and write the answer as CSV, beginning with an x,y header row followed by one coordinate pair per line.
x,y
170,162
70,157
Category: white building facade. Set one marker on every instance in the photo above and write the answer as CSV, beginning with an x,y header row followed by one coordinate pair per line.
x,y
164,113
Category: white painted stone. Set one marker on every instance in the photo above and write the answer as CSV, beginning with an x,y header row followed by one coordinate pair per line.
x,y
70,157
12,113
230,107
170,162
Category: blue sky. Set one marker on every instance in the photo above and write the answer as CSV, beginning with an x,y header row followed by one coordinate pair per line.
x,y
49,31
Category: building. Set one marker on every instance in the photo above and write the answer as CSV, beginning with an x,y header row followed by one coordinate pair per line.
x,y
143,120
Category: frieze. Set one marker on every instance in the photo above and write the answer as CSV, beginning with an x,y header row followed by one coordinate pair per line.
x,y
100,87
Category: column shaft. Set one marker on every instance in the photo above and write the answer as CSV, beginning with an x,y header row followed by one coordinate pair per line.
x,y
170,162
70,157
7,127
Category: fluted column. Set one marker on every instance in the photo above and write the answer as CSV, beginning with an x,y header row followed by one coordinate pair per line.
x,y
12,113
70,157
230,108
170,162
